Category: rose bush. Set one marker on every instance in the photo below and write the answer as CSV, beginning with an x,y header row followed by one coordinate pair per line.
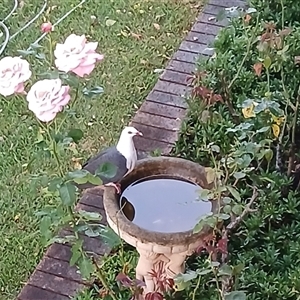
x,y
76,55
14,71
46,27
48,97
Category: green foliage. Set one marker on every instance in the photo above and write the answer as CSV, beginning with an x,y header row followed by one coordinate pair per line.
x,y
258,83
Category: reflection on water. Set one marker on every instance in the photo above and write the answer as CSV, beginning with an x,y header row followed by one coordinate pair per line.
x,y
163,204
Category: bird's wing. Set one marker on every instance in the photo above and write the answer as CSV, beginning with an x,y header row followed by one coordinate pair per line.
x,y
109,155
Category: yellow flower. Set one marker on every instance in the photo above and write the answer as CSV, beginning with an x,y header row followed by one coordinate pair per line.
x,y
248,111
276,130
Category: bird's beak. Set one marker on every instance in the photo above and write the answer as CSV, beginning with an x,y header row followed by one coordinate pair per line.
x,y
139,133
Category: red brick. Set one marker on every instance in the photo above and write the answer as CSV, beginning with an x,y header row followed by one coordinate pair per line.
x,y
59,268
59,251
162,110
202,38
212,9
97,190
90,244
154,133
181,66
151,145
206,28
166,98
30,292
186,56
55,284
211,19
228,3
162,123
193,47
93,197
173,76
172,88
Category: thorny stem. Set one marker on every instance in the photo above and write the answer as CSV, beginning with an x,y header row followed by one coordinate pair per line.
x,y
66,115
282,14
50,49
288,103
215,272
55,154
103,280
196,288
268,80
227,99
292,147
230,227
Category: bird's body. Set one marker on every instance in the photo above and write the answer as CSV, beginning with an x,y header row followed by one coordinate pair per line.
x,y
108,155
123,156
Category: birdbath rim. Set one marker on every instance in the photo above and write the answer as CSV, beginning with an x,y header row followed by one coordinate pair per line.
x,y
163,165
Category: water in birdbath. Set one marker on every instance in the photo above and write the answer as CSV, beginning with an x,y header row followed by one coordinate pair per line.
x,y
164,204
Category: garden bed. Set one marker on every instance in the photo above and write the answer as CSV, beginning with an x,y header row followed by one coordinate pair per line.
x,y
243,121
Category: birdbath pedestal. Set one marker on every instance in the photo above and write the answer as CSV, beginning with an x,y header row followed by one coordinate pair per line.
x,y
164,253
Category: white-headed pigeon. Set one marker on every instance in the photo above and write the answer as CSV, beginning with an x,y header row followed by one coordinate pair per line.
x,y
123,156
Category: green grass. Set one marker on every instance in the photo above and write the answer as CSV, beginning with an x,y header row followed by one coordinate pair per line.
x,y
127,75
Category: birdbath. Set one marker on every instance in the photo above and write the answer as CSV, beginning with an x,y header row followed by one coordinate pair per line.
x,y
162,250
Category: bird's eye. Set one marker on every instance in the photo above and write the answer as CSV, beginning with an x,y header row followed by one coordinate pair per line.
x,y
129,132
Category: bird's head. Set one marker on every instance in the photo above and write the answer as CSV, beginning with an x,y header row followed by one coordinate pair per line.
x,y
130,131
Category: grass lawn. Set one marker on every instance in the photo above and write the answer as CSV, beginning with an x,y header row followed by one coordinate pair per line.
x,y
134,47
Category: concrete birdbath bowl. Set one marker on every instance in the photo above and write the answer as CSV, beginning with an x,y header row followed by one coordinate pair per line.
x,y
157,249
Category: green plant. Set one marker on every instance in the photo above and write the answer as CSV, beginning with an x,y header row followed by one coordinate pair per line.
x,y
243,124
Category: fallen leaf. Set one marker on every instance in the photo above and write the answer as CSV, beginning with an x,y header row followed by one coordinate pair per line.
x,y
276,130
297,60
110,22
285,31
136,35
158,17
278,120
247,19
77,166
156,26
258,68
124,33
210,175
158,71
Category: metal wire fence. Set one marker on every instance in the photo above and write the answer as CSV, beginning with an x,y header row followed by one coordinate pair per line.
x,y
8,36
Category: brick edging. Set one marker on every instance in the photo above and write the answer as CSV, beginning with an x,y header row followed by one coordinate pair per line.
x,y
159,118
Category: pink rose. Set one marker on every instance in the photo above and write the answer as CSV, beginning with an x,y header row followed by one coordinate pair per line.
x,y
47,97
14,71
77,55
46,27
